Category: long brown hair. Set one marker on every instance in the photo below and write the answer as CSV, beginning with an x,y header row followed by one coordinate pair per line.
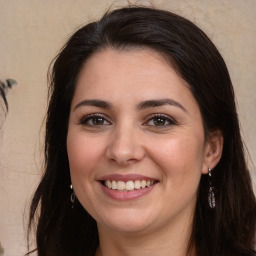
x,y
229,229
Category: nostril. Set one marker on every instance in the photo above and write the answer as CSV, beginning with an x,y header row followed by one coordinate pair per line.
x,y
125,158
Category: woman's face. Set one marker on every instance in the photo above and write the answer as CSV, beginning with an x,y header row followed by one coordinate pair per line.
x,y
135,142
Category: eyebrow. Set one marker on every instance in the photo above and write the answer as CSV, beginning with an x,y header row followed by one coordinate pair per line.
x,y
143,105
159,103
94,103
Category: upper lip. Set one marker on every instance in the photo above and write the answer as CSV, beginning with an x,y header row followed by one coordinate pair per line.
x,y
127,177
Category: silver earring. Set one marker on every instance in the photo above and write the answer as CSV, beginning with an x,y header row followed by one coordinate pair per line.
x,y
211,196
72,196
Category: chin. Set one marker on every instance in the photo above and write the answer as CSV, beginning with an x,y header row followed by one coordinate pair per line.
x,y
126,222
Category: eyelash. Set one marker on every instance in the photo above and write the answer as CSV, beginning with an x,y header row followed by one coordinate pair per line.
x,y
161,117
152,118
92,117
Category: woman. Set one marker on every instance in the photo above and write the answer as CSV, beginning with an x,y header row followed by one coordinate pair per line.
x,y
143,153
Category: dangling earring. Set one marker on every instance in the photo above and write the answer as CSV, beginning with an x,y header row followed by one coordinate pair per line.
x,y
211,196
72,196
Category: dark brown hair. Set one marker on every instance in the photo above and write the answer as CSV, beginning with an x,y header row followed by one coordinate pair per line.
x,y
229,229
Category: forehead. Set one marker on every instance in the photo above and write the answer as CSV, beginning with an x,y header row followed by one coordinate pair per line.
x,y
138,74
136,64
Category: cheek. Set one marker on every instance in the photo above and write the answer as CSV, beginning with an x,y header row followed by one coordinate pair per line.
x,y
83,154
180,156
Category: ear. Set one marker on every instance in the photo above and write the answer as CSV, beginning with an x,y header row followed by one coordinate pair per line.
x,y
213,150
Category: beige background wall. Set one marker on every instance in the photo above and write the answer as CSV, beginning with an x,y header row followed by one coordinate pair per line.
x,y
31,33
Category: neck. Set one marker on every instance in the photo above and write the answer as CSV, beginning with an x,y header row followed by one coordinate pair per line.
x,y
172,241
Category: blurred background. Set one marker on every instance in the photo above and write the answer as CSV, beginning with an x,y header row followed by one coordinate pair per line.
x,y
32,32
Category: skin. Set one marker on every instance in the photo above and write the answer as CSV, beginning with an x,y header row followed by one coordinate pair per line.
x,y
126,137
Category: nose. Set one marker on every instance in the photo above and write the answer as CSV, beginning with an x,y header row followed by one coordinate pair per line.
x,y
125,146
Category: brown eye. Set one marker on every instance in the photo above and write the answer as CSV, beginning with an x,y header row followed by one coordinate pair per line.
x,y
94,120
97,120
159,121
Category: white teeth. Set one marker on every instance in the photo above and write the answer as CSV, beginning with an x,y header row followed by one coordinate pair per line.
x,y
121,185
113,185
129,185
137,184
143,183
108,184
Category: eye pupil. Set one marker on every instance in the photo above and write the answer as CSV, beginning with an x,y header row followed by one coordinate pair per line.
x,y
98,121
159,121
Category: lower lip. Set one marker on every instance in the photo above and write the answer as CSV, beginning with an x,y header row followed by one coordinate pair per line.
x,y
126,195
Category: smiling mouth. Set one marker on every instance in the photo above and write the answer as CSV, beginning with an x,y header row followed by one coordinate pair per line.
x,y
128,185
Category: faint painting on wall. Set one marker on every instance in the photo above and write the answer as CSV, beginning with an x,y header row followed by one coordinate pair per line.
x,y
4,87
